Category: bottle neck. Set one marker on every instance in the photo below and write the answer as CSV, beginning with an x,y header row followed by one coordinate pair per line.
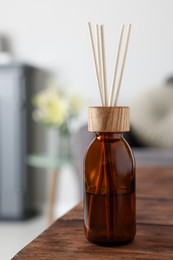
x,y
101,136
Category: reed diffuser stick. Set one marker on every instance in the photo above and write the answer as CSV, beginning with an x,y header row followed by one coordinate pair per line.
x,y
107,187
104,67
95,62
123,65
116,66
100,64
99,57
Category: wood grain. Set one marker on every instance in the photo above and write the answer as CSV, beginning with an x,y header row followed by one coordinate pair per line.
x,y
154,239
154,182
108,119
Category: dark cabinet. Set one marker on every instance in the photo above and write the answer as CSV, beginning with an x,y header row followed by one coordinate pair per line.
x,y
16,138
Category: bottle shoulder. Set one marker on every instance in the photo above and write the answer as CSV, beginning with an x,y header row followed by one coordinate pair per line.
x,y
113,143
118,151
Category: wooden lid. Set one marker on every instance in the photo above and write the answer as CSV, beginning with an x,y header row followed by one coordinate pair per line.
x,y
108,119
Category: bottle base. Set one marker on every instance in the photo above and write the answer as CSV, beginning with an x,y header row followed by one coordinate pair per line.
x,y
111,240
111,244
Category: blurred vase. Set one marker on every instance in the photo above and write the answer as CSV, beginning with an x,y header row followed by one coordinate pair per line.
x,y
59,144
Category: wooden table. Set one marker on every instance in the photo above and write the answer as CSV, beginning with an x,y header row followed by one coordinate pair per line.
x,y
154,239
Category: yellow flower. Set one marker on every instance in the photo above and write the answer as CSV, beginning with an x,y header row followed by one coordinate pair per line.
x,y
54,108
51,108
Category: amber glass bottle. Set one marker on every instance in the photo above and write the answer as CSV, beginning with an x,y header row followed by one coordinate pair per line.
x,y
109,184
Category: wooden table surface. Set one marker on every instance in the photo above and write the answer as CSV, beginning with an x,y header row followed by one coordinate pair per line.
x,y
154,239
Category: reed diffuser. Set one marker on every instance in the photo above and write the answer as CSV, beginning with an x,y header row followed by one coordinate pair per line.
x,y
109,166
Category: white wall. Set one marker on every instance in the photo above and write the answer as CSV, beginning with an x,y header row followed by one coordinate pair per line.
x,y
53,34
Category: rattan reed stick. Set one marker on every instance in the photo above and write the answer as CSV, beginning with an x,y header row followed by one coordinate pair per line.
x,y
116,66
95,61
99,57
123,65
100,64
104,67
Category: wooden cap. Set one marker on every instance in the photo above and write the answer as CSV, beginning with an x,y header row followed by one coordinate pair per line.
x,y
108,119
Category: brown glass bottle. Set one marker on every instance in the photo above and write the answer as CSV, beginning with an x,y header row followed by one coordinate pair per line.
x,y
109,191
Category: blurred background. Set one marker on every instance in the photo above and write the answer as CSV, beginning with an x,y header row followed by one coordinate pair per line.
x,y
46,63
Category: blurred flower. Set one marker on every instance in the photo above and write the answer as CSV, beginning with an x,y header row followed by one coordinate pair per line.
x,y
55,108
